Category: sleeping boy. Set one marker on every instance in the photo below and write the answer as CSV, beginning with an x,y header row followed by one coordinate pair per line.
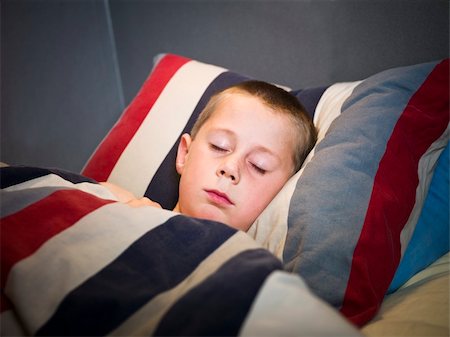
x,y
247,142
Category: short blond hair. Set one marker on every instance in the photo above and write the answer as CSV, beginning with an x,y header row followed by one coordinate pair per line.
x,y
277,99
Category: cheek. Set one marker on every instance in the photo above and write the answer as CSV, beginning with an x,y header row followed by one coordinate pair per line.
x,y
192,167
260,194
257,201
249,211
197,158
194,174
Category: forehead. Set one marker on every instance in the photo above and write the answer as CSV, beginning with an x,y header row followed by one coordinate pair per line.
x,y
253,121
238,104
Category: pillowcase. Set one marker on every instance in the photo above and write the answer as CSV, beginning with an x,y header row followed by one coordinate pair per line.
x,y
344,221
355,206
140,150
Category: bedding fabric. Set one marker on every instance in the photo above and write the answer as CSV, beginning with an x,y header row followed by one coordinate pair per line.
x,y
432,233
345,221
357,203
76,262
419,308
140,150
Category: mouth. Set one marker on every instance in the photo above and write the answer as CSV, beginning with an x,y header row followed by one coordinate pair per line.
x,y
219,198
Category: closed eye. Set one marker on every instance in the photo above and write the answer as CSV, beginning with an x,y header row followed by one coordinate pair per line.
x,y
258,169
217,148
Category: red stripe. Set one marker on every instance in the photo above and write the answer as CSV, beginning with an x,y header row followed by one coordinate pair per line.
x,y
24,232
5,304
422,122
108,153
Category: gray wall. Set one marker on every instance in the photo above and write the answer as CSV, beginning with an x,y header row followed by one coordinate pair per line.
x,y
68,67
298,43
59,89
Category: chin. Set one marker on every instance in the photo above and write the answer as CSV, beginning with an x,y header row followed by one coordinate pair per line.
x,y
209,212
213,213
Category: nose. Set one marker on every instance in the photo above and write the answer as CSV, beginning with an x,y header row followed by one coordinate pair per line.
x,y
229,169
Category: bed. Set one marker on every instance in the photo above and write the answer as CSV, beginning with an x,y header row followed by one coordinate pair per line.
x,y
356,243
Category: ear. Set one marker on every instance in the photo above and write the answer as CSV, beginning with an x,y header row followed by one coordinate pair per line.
x,y
182,153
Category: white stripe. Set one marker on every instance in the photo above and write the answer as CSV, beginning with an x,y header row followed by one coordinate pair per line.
x,y
427,164
438,268
163,126
71,257
330,105
286,307
144,321
17,197
270,228
53,180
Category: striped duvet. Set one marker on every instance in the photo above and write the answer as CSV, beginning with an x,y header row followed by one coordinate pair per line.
x,y
76,262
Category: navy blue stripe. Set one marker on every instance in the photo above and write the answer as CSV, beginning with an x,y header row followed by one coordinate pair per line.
x,y
156,262
309,98
164,186
13,175
220,304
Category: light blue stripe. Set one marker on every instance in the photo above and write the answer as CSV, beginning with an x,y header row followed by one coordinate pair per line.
x,y
14,201
431,237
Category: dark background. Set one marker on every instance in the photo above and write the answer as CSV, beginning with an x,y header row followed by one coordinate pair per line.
x,y
69,67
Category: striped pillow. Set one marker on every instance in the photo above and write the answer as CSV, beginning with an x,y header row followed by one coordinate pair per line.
x,y
139,152
356,204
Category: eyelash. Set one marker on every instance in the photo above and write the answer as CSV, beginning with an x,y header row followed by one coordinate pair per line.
x,y
257,169
217,148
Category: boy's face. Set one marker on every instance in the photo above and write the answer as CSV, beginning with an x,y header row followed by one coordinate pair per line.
x,y
239,160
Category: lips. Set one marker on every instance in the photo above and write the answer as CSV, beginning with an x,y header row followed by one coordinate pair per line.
x,y
219,198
